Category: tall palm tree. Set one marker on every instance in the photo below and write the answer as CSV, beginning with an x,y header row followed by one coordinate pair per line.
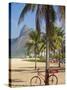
x,y
47,13
59,40
56,41
32,44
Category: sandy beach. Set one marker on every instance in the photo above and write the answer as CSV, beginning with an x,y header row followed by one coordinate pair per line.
x,y
22,71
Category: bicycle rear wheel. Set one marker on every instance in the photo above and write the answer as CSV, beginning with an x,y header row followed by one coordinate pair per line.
x,y
53,80
35,81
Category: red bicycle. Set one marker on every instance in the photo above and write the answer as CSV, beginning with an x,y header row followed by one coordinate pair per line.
x,y
36,80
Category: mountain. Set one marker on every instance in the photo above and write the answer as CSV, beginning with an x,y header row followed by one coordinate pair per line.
x,y
18,49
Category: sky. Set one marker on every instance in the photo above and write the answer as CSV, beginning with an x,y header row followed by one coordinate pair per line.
x,y
29,19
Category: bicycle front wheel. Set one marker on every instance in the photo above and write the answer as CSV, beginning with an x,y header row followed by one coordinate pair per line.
x,y
53,80
35,81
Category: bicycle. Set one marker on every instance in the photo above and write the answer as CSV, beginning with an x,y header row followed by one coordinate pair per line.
x,y
36,80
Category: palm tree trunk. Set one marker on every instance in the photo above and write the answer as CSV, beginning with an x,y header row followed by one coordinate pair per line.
x,y
47,63
59,58
54,53
48,23
35,61
35,57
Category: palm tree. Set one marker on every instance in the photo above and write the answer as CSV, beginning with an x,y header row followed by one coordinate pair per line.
x,y
56,41
32,44
59,40
47,13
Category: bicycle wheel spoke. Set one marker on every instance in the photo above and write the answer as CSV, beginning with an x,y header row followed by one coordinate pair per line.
x,y
52,80
35,81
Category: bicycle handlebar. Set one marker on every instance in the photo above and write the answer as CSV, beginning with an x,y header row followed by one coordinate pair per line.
x,y
53,71
50,71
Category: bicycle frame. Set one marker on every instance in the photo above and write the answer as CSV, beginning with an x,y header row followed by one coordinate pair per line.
x,y
51,72
40,77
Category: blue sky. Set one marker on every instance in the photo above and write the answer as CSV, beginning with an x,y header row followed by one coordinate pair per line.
x,y
29,19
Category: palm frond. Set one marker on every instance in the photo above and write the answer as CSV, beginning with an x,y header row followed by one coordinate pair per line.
x,y
62,9
33,7
38,20
52,14
23,12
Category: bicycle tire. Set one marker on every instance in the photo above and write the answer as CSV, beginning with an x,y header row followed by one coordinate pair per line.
x,y
35,78
51,78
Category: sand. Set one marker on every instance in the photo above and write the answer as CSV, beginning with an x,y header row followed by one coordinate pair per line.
x,y
22,71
